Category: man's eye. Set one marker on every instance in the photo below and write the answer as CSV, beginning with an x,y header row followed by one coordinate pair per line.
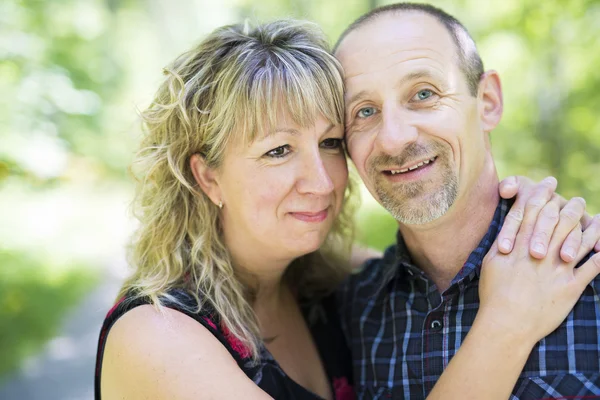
x,y
278,152
366,112
423,94
331,143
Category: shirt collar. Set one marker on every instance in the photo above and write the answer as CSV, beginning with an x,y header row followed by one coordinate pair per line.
x,y
476,257
405,267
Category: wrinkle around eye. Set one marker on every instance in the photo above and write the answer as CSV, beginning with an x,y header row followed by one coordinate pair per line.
x,y
358,125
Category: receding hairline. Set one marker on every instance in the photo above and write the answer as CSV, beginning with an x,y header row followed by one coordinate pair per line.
x,y
466,51
372,17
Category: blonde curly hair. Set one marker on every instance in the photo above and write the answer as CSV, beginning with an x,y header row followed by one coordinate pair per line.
x,y
226,89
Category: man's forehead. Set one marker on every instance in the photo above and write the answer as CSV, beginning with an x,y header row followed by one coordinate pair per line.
x,y
394,33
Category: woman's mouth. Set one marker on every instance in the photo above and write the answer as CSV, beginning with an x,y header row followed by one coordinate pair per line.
x,y
305,216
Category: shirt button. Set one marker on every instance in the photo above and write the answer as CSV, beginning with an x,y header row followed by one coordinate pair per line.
x,y
436,325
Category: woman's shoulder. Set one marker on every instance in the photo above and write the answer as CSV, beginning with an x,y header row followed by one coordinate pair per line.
x,y
176,307
175,303
165,353
166,350
140,323
177,310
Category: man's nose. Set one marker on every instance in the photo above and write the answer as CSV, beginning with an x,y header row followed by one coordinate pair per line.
x,y
396,131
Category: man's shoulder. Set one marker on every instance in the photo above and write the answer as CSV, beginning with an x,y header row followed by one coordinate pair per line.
x,y
364,288
372,276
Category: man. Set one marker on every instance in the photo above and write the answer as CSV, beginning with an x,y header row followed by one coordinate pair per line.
x,y
419,112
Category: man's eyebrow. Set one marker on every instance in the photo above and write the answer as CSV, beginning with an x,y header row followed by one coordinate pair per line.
x,y
413,76
358,96
438,79
419,74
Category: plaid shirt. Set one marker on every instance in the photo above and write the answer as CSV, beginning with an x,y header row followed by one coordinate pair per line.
x,y
403,333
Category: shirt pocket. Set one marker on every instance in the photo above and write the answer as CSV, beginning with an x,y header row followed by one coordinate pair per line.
x,y
562,386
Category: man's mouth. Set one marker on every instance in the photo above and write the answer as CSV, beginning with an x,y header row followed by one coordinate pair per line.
x,y
411,167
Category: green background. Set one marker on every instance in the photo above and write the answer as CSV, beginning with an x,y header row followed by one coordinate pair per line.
x,y
73,74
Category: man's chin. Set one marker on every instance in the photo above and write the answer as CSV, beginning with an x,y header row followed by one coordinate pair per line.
x,y
415,215
418,209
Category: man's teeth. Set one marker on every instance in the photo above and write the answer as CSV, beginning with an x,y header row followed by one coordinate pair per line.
x,y
401,171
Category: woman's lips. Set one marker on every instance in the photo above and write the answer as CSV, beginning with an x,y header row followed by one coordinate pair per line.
x,y
311,216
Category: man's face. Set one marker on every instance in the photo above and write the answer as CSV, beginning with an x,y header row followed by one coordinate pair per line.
x,y
413,129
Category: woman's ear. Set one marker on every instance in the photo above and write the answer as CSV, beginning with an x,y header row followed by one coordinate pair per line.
x,y
206,178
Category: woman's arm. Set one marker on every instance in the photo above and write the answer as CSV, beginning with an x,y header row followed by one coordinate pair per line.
x,y
486,366
153,355
523,299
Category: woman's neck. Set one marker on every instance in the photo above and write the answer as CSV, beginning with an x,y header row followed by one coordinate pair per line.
x,y
265,281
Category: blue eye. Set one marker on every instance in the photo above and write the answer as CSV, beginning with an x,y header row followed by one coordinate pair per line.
x,y
278,152
424,94
331,143
366,112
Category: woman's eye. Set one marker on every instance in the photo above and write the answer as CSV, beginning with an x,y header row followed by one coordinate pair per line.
x,y
331,143
278,152
423,94
366,112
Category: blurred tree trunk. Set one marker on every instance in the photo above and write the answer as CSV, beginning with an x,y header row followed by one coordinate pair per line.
x,y
551,105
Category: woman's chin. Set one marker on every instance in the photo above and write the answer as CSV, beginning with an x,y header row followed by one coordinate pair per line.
x,y
307,245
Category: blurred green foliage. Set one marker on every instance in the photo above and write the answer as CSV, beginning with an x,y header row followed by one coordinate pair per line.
x,y
73,72
376,228
34,296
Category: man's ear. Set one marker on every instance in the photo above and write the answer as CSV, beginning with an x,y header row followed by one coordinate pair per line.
x,y
206,177
490,100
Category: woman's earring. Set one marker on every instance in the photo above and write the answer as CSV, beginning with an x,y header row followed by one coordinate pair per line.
x,y
220,204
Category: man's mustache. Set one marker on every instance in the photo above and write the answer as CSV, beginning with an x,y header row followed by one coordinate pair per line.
x,y
412,152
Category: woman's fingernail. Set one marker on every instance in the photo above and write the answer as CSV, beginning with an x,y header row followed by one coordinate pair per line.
x,y
506,244
539,248
569,251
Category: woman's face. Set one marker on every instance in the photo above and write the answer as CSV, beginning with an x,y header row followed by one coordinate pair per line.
x,y
282,192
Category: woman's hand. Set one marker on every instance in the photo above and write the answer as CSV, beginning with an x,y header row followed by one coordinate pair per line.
x,y
525,293
541,197
529,297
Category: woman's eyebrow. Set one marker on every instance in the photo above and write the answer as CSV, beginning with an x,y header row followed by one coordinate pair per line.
x,y
295,132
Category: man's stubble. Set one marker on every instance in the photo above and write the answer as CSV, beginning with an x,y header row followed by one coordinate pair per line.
x,y
409,203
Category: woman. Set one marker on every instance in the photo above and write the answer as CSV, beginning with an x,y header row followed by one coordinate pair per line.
x,y
244,210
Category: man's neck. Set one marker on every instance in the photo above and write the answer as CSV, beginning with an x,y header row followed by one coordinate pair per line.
x,y
441,248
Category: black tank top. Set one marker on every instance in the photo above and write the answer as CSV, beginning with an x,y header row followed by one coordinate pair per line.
x,y
267,374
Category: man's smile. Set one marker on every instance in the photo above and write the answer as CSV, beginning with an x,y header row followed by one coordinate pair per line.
x,y
411,167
